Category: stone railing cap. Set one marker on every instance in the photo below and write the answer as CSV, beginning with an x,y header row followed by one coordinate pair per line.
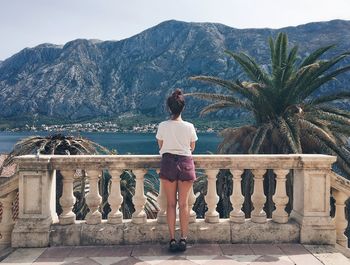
x,y
263,161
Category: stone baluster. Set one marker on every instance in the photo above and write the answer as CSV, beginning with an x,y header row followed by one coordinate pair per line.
x,y
67,199
212,199
93,198
340,219
191,200
162,202
139,199
258,215
237,199
280,197
6,225
115,198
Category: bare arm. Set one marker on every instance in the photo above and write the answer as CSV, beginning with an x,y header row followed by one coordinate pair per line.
x,y
192,145
160,144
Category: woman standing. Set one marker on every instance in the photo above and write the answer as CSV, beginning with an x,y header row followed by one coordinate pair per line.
x,y
176,140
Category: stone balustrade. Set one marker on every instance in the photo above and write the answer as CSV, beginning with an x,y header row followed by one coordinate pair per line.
x,y
309,221
8,193
341,192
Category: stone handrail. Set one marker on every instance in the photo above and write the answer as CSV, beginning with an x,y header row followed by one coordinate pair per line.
x,y
9,186
341,192
37,213
8,192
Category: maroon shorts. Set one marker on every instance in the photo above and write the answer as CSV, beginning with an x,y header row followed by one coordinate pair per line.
x,y
177,167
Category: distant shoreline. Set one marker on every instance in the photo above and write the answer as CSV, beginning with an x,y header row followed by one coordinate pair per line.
x,y
122,142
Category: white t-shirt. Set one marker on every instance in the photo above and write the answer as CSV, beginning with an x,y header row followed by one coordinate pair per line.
x,y
176,136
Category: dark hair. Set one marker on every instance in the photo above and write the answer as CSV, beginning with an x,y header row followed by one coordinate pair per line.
x,y
176,103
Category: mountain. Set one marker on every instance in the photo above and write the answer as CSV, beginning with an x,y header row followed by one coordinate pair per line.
x,y
92,78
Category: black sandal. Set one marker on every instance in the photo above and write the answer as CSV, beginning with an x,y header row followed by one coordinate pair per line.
x,y
172,245
182,244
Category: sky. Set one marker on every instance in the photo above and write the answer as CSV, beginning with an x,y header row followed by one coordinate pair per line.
x,y
27,23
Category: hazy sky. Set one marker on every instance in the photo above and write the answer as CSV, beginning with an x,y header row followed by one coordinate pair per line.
x,y
27,23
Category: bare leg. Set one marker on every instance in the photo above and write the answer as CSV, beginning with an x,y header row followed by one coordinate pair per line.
x,y
170,189
184,191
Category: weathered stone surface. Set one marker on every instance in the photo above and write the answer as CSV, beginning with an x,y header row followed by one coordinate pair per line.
x,y
270,231
37,204
328,255
318,235
66,235
311,208
102,234
212,232
153,232
27,233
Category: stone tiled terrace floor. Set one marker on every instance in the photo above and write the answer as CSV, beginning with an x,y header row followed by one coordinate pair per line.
x,y
221,254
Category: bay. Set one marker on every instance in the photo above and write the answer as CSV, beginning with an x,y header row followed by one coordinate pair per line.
x,y
124,143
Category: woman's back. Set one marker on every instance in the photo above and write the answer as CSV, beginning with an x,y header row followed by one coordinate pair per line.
x,y
177,136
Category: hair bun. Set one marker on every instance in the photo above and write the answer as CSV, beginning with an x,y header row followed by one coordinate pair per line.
x,y
177,93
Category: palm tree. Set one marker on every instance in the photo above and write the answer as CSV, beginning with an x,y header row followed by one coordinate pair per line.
x,y
56,144
59,144
289,115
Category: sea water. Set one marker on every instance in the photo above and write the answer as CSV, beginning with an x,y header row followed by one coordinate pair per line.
x,y
123,143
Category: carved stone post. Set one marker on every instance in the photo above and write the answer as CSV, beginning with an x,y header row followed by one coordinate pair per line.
x,y
280,198
212,199
237,199
258,198
93,198
115,198
7,223
162,202
67,199
340,220
139,199
311,205
37,202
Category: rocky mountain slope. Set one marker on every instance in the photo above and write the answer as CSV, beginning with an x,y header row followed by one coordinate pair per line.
x,y
90,78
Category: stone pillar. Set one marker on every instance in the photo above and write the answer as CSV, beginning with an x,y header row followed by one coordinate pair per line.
x,y
237,199
67,199
93,198
212,199
139,199
162,202
280,197
115,198
258,198
340,220
37,202
6,225
311,194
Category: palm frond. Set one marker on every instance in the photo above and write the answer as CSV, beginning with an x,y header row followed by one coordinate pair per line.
x,y
319,81
259,138
335,110
251,68
212,96
328,98
315,55
233,87
218,106
331,117
289,65
285,131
